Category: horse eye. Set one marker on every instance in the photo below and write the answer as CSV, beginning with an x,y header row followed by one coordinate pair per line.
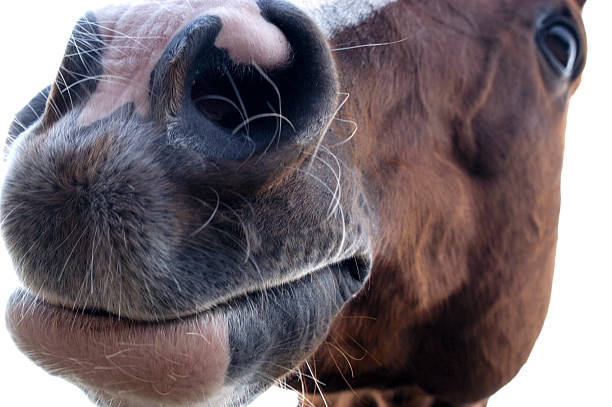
x,y
560,44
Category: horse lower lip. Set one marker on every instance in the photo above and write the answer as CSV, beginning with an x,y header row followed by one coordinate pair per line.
x,y
181,360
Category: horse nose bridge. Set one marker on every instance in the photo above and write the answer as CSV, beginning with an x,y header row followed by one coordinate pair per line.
x,y
230,89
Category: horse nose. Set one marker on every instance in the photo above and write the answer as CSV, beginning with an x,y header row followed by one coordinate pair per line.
x,y
232,91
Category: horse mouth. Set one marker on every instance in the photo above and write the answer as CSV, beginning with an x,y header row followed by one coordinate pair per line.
x,y
108,356
176,361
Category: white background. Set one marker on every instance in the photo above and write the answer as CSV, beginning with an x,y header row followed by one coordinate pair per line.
x,y
571,364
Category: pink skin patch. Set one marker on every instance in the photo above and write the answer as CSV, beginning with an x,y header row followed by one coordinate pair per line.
x,y
135,37
174,363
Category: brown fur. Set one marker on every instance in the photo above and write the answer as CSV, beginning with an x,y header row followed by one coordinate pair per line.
x,y
460,143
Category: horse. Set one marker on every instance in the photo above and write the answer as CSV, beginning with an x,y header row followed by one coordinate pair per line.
x,y
358,199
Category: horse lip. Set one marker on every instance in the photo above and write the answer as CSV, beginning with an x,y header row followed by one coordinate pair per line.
x,y
24,296
85,347
226,301
181,359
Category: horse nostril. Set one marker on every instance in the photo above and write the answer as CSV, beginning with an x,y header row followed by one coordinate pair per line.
x,y
246,102
216,101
